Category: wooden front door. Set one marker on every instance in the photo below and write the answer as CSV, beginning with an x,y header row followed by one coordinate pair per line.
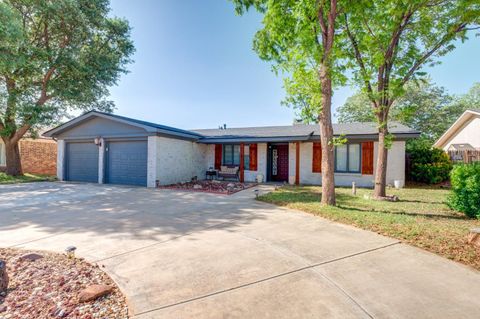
x,y
279,163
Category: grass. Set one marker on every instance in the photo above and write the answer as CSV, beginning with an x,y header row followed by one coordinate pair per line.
x,y
26,178
421,217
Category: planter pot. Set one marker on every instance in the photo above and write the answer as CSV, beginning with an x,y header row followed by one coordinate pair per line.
x,y
259,178
398,183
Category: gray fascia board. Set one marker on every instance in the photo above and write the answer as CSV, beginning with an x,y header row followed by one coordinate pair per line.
x,y
176,135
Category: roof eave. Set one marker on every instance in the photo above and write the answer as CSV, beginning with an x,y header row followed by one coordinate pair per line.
x,y
442,140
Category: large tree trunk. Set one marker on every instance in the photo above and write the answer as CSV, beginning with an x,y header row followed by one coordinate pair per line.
x,y
326,138
12,153
381,169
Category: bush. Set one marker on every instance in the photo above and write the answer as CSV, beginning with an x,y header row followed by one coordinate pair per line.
x,y
428,165
465,179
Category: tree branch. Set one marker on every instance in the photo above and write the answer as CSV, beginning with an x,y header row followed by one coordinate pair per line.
x,y
359,58
429,53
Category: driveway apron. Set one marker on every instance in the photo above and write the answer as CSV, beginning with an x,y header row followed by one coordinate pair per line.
x,y
186,254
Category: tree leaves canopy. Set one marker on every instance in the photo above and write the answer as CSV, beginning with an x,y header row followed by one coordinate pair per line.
x,y
58,56
424,106
391,40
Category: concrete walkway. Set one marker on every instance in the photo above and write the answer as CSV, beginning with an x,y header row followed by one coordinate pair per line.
x,y
196,255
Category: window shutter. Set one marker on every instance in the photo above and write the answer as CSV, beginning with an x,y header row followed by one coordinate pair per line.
x,y
253,157
218,156
317,158
367,158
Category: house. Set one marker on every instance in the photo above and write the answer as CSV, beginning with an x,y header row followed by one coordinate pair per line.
x,y
463,135
106,148
38,155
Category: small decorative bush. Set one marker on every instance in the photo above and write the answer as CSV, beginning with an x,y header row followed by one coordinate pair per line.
x,y
465,198
429,165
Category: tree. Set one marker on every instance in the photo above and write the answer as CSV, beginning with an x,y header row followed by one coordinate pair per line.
x,y
56,56
424,106
390,41
300,38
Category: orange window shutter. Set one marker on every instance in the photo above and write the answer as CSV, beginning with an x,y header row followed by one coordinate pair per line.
x,y
218,156
253,157
317,158
367,158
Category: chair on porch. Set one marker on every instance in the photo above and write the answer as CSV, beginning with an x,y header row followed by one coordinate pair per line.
x,y
229,171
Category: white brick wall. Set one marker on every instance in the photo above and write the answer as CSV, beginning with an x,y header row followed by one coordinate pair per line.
x,y
251,176
60,160
395,168
179,160
152,172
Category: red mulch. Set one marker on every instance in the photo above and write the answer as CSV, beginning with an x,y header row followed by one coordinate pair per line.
x,y
48,288
215,186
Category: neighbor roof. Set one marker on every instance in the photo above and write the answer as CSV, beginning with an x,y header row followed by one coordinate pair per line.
x,y
462,147
297,132
452,130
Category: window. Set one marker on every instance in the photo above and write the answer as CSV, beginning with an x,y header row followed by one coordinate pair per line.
x,y
2,155
246,157
347,158
231,155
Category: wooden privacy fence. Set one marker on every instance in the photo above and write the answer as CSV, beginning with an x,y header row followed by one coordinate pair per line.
x,y
467,156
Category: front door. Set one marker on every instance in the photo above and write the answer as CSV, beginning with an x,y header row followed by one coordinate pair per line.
x,y
279,163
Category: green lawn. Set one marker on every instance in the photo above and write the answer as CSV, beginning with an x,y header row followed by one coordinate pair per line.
x,y
420,218
7,179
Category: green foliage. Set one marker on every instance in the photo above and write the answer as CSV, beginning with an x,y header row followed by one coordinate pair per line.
x,y
428,165
465,179
424,106
399,38
57,56
357,108
291,40
340,140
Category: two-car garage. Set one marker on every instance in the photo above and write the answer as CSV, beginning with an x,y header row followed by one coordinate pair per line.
x,y
106,148
124,162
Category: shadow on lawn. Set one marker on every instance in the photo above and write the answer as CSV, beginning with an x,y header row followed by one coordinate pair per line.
x,y
427,215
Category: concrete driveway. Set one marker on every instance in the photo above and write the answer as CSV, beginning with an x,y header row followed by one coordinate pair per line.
x,y
195,255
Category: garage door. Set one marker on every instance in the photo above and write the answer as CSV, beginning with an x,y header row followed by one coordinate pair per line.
x,y
126,163
82,162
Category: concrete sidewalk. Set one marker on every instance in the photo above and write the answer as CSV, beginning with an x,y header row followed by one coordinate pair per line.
x,y
196,255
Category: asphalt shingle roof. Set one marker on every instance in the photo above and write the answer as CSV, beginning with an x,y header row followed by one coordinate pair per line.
x,y
302,130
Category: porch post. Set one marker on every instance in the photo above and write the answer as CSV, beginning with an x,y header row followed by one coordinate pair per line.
x,y
297,163
101,161
242,154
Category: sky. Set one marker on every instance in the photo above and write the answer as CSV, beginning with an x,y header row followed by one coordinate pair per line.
x,y
194,67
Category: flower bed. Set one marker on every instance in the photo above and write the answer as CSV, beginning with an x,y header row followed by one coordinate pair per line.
x,y
211,186
49,285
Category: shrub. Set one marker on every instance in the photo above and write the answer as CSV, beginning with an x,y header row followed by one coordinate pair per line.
x,y
465,197
428,165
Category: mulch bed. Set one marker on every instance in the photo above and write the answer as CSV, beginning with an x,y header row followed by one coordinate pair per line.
x,y
215,186
49,287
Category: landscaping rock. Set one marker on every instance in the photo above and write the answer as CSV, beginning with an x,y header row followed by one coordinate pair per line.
x,y
93,292
30,257
474,237
197,186
3,276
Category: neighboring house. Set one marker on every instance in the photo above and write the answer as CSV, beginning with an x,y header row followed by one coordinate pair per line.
x,y
463,135
106,148
38,156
